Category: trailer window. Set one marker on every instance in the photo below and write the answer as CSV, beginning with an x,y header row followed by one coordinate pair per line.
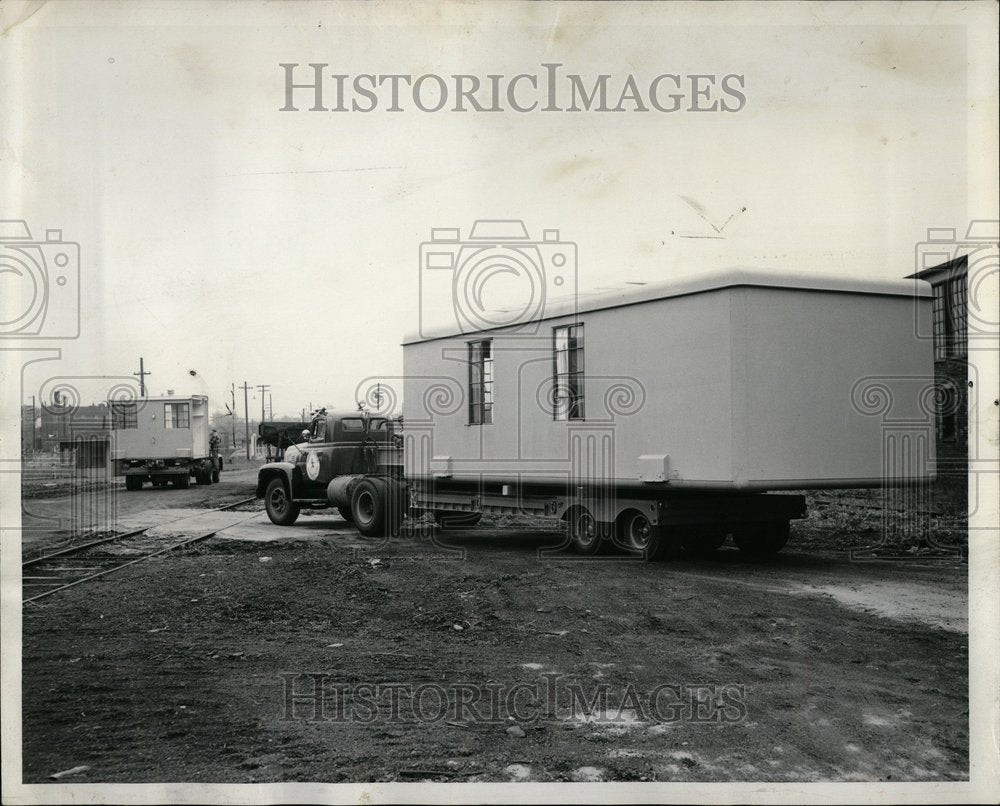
x,y
124,415
176,415
481,382
568,381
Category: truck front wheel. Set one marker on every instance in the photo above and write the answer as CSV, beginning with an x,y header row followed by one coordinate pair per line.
x,y
133,483
182,482
280,508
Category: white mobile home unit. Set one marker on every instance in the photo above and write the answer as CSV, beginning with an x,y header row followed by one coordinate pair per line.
x,y
163,439
738,382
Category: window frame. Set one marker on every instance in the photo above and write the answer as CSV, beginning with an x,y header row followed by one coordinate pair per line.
x,y
124,415
575,407
173,421
480,391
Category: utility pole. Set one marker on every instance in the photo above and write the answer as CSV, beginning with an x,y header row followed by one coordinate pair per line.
x,y
270,406
263,388
232,394
142,378
32,425
246,416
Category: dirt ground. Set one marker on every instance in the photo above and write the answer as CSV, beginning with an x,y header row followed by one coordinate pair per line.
x,y
470,657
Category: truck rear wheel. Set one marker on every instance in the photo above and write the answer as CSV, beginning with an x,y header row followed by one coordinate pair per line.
x,y
637,533
133,483
182,482
368,508
759,540
280,508
377,507
704,541
585,535
345,513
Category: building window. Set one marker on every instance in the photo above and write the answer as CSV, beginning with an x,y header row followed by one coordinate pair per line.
x,y
957,288
940,324
176,415
124,415
568,372
950,335
480,382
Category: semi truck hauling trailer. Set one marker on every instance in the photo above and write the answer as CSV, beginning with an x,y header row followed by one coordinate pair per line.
x,y
660,419
164,440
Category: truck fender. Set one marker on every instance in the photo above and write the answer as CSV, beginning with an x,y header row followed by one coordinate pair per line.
x,y
273,470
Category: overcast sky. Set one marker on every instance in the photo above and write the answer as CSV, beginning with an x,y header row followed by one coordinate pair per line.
x,y
223,236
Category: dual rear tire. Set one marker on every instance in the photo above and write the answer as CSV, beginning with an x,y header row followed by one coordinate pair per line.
x,y
377,506
760,540
634,532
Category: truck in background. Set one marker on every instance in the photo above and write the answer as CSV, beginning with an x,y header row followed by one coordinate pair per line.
x,y
163,440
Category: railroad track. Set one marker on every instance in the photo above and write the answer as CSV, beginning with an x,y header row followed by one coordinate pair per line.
x,y
48,574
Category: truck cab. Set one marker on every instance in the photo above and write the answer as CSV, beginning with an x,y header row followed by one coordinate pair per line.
x,y
347,456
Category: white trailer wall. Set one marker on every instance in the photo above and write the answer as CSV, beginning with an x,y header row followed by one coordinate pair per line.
x,y
150,439
741,386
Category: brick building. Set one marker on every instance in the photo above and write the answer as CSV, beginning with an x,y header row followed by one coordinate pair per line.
x,y
77,435
949,282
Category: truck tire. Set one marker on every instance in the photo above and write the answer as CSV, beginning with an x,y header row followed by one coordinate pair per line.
x,y
760,540
585,534
368,508
703,541
280,508
182,482
345,513
456,520
636,533
133,483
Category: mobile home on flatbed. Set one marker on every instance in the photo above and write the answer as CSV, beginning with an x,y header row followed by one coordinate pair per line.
x,y
665,417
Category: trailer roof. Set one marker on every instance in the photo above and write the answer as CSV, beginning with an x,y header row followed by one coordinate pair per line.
x,y
632,293
164,398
